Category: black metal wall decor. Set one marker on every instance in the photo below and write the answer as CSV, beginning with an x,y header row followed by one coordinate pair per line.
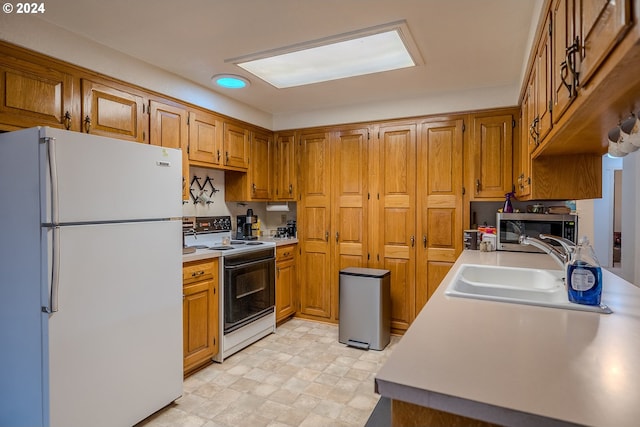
x,y
205,190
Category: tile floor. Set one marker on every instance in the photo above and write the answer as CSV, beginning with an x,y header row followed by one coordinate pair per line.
x,y
299,376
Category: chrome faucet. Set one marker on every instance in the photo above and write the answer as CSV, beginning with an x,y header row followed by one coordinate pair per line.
x,y
561,254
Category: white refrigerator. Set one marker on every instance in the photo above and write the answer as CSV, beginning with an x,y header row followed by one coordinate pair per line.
x,y
90,279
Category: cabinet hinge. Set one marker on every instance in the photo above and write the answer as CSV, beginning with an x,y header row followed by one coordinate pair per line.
x,y
368,256
464,190
550,106
144,108
550,28
144,136
188,119
368,196
378,196
188,148
513,123
464,127
214,341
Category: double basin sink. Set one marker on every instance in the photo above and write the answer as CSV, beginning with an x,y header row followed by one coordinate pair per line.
x,y
516,285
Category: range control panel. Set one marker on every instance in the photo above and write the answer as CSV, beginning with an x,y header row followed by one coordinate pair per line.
x,y
206,224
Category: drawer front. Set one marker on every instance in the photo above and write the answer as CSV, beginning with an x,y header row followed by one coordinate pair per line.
x,y
198,270
285,252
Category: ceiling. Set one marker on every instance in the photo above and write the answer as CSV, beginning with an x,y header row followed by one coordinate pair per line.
x,y
466,45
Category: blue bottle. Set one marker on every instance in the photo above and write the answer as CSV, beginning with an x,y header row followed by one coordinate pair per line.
x,y
584,275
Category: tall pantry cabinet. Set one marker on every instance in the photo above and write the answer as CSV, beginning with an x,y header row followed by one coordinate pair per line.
x,y
383,196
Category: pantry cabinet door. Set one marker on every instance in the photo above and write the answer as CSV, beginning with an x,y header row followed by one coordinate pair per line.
x,y
315,225
439,187
397,218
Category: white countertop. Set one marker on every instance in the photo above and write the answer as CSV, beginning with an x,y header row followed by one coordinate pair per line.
x,y
201,254
521,365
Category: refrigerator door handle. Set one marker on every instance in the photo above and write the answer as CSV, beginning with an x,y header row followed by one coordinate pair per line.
x,y
55,229
55,270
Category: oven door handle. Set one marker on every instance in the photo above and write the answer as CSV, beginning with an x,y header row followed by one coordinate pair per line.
x,y
248,264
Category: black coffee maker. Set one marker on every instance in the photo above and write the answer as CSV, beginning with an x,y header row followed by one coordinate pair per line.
x,y
244,226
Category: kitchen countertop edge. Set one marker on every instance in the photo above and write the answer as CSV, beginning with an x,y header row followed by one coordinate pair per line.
x,y
201,254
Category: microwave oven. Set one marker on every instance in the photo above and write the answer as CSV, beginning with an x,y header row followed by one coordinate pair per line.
x,y
510,226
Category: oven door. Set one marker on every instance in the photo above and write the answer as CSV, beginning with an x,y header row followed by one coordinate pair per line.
x,y
249,288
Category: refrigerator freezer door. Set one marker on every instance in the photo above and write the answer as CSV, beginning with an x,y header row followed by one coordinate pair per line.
x,y
115,345
102,179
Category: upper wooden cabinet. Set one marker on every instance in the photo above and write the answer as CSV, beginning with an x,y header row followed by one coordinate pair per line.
x,y
205,139
284,171
236,146
603,24
169,129
255,184
543,86
112,111
36,95
490,162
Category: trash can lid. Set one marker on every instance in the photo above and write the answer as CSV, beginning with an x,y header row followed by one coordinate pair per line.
x,y
366,272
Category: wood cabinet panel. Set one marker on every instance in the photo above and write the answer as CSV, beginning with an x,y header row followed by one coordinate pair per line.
x,y
286,282
314,225
563,20
544,86
284,172
397,218
35,95
491,156
236,146
439,187
260,166
205,139
200,313
113,112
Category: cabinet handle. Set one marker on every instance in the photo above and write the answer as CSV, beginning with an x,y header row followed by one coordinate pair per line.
x,y
67,120
253,188
197,273
571,62
413,241
286,254
290,189
326,236
218,156
477,186
226,155
564,72
87,124
337,236
424,241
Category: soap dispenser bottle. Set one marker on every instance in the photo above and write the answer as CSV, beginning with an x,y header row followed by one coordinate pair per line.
x,y
584,275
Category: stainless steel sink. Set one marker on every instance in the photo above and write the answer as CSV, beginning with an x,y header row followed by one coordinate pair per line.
x,y
515,285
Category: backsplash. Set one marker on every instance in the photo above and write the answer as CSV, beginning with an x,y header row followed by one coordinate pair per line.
x,y
269,221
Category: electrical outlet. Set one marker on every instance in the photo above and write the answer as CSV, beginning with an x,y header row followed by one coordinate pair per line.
x,y
283,218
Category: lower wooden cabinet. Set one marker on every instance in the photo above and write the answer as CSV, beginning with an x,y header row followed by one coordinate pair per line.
x,y
200,313
285,282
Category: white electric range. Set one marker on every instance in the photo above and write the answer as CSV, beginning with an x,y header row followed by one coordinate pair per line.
x,y
247,288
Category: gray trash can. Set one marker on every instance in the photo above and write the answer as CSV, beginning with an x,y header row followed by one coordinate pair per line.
x,y
365,308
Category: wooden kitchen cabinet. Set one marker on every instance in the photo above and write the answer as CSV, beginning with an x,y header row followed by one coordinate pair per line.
x,y
284,171
236,146
36,93
255,183
490,161
169,128
439,203
543,86
200,313
314,225
205,139
286,282
113,110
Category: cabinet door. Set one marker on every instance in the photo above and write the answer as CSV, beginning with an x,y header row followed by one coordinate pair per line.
x,y
169,129
260,166
285,167
314,225
236,146
439,187
491,145
285,285
205,139
350,203
563,34
604,23
526,143
397,218
544,85
113,112
35,95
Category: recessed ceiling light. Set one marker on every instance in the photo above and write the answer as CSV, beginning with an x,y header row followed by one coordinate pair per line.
x,y
230,81
372,50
